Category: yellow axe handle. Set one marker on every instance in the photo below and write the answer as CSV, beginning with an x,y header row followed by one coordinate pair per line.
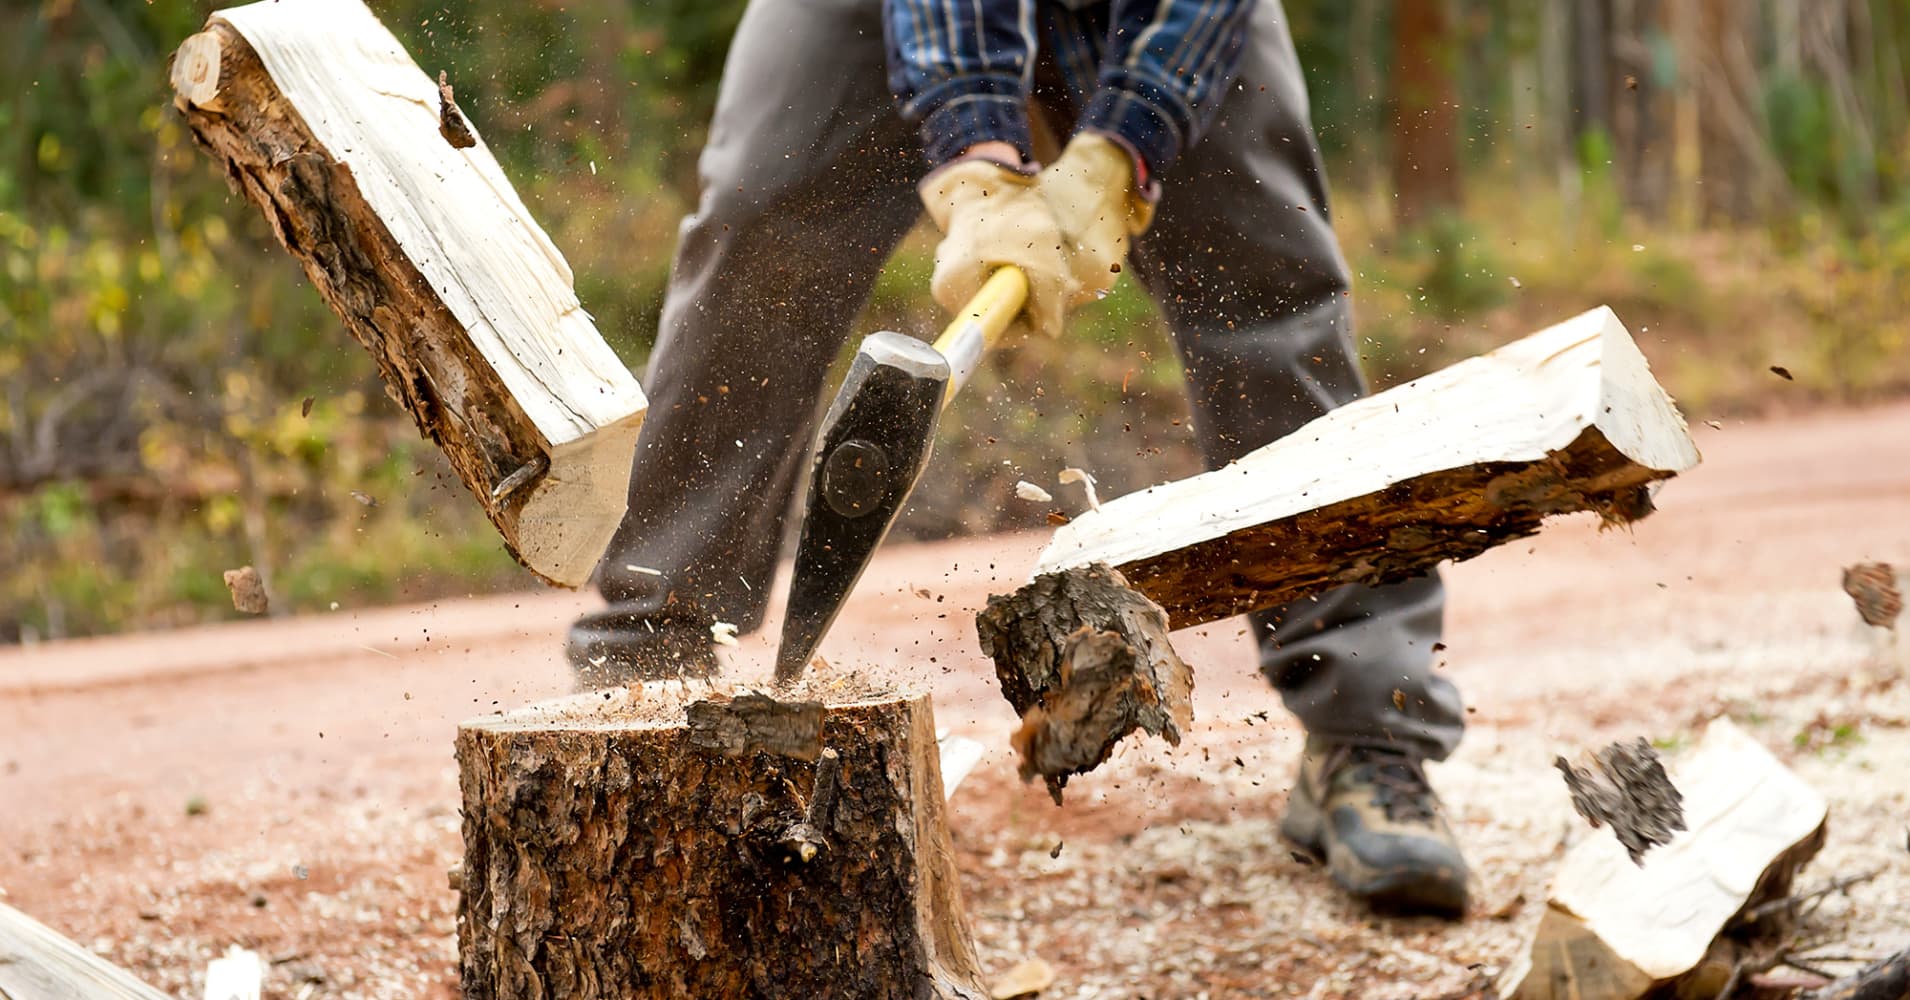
x,y
980,324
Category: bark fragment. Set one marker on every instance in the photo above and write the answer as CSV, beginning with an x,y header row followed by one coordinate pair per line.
x,y
1085,660
756,723
1625,786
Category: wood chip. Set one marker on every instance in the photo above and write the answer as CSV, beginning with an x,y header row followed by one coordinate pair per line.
x,y
1026,979
1877,591
451,123
1625,786
1029,491
1074,475
237,976
1085,660
959,755
248,590
757,723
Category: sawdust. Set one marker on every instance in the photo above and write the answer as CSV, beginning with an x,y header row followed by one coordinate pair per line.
x,y
663,703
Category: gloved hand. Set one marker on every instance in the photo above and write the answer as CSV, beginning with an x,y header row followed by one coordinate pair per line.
x,y
1091,189
991,216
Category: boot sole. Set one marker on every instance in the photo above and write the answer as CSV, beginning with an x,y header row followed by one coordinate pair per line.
x,y
1403,890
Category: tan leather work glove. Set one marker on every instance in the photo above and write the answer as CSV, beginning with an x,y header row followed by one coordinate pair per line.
x,y
1091,189
991,216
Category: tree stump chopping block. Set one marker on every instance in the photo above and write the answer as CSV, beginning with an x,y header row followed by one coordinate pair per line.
x,y
610,851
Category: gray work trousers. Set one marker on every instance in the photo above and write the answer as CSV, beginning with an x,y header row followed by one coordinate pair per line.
x,y
808,185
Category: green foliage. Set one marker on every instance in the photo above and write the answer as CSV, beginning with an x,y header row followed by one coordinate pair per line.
x,y
1458,274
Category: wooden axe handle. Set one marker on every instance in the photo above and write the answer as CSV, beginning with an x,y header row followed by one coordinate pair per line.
x,y
979,325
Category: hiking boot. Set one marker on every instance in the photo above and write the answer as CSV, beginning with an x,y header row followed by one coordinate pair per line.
x,y
626,645
1370,813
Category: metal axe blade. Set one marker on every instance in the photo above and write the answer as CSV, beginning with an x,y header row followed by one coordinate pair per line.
x,y
875,442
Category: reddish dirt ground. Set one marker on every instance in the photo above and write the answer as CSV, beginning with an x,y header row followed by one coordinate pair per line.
x,y
288,785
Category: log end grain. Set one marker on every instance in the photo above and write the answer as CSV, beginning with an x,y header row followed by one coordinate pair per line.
x,y
195,71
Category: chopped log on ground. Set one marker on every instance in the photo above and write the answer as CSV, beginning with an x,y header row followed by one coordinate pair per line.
x,y
1682,922
429,257
607,854
1084,660
1885,979
37,962
1624,786
1384,488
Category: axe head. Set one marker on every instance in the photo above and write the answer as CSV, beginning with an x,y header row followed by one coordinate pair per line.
x,y
873,446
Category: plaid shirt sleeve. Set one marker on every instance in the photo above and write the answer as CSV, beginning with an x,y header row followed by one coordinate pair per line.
x,y
962,69
1166,65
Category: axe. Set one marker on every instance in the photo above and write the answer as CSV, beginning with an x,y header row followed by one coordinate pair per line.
x,y
873,445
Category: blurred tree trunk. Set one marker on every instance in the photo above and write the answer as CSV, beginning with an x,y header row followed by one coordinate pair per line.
x,y
1557,75
1685,207
1591,74
1362,61
1426,177
1890,92
1834,38
1640,103
1739,174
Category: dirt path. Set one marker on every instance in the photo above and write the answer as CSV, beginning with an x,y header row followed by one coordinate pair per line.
x,y
288,785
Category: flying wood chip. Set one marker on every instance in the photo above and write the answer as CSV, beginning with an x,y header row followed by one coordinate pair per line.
x,y
1874,587
451,123
248,590
1624,785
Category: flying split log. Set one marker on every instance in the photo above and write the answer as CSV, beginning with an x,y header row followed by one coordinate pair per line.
x,y
1384,488
374,181
658,842
1380,490
1683,919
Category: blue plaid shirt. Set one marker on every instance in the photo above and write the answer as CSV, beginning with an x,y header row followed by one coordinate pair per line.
x,y
1149,72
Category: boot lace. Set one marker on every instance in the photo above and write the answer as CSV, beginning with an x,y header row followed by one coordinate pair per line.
x,y
1399,782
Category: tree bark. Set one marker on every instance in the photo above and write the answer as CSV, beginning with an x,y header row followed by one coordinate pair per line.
x,y
1084,660
414,237
611,853
1426,171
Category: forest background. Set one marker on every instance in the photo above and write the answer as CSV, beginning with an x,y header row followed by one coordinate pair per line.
x,y
1732,176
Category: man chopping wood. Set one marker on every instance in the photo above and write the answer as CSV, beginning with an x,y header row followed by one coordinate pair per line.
x,y
1188,157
